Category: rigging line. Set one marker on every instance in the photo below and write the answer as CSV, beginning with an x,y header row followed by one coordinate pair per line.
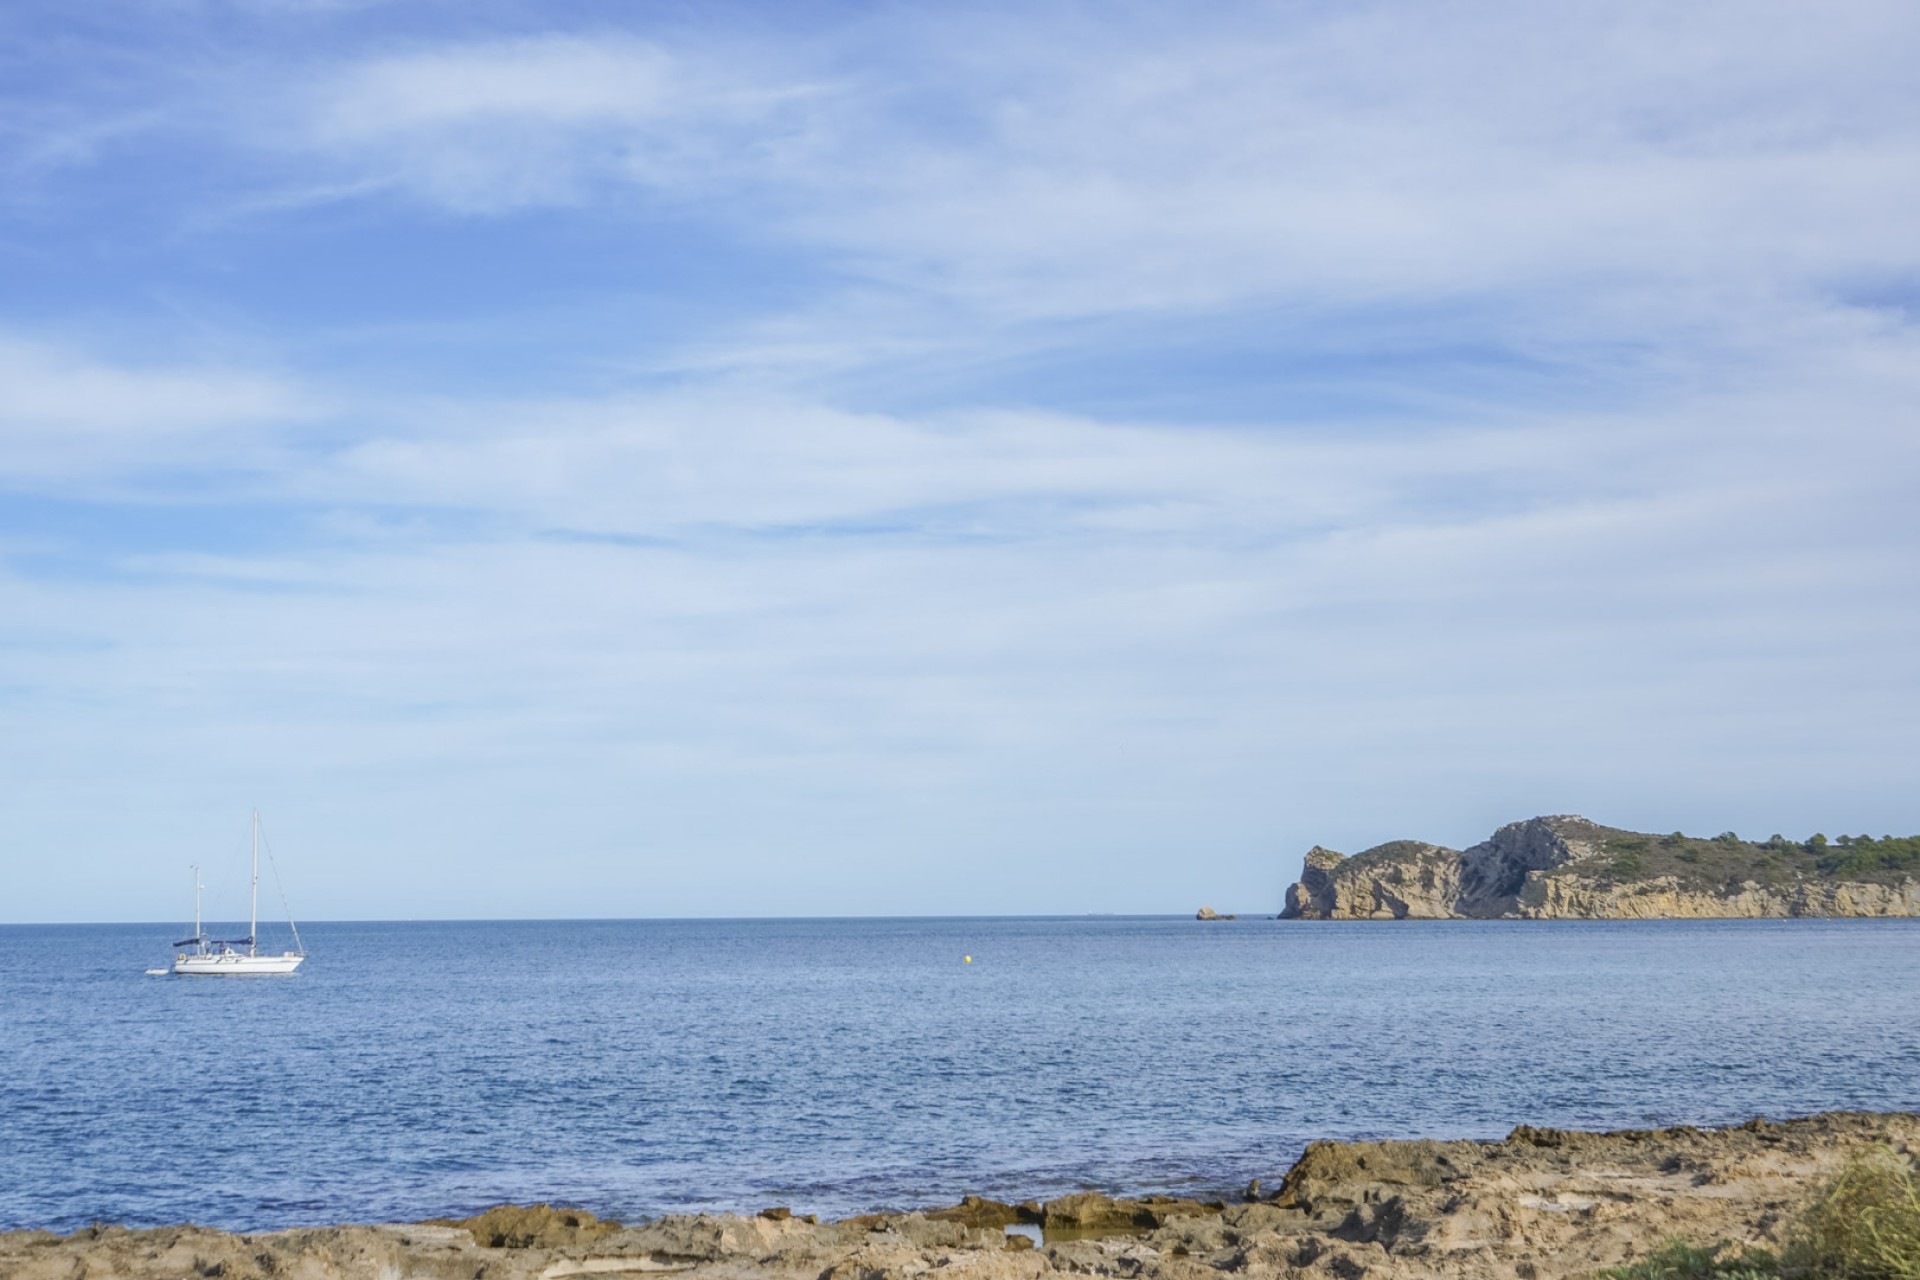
x,y
286,906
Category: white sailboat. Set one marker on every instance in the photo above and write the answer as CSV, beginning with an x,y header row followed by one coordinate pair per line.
x,y
223,956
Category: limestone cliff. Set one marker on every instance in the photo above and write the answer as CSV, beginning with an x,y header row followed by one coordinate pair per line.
x,y
1405,880
1567,868
1665,897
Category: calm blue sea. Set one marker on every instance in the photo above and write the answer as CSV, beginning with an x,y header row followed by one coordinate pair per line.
x,y
638,1067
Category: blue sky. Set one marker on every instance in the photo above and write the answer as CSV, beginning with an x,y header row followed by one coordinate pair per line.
x,y
654,459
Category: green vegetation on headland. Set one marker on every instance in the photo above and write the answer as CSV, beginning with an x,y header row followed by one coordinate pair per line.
x,y
1863,1225
1569,868
1727,859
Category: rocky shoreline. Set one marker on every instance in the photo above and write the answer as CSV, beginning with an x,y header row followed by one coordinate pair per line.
x,y
1568,868
1541,1203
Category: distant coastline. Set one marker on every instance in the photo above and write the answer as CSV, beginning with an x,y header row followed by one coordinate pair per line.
x,y
1568,868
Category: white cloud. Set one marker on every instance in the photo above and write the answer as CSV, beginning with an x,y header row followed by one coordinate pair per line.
x,y
555,80
65,415
713,621
1123,163
504,124
1405,155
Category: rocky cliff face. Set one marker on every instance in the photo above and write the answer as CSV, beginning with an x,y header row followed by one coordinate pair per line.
x,y
1567,868
1664,897
1497,870
1403,881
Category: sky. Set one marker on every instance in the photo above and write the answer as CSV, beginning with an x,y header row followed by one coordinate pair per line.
x,y
659,459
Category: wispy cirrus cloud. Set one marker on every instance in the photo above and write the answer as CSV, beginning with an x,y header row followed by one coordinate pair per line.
x,y
554,119
69,417
744,615
1026,441
1260,156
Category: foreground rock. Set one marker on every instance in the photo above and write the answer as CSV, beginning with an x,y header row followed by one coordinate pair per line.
x,y
1567,868
1541,1204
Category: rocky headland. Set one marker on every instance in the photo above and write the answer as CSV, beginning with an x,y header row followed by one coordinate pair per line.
x,y
1567,868
1540,1204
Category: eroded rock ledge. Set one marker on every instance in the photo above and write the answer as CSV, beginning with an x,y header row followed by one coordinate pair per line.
x,y
1542,1203
1567,868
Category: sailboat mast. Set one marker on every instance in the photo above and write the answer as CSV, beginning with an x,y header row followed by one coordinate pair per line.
x,y
196,904
253,908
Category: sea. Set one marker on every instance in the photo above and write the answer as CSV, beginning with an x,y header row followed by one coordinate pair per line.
x,y
643,1067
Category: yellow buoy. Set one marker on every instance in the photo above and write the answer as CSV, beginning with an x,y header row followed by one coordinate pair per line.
x,y
969,959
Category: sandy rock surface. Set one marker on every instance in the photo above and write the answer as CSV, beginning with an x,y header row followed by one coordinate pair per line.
x,y
1540,1204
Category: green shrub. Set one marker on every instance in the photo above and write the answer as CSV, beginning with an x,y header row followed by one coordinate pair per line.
x,y
1866,1224
1629,865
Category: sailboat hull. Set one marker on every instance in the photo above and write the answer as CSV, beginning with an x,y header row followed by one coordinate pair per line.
x,y
235,965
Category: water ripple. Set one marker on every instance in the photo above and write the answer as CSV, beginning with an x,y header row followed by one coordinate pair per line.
x,y
413,1070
